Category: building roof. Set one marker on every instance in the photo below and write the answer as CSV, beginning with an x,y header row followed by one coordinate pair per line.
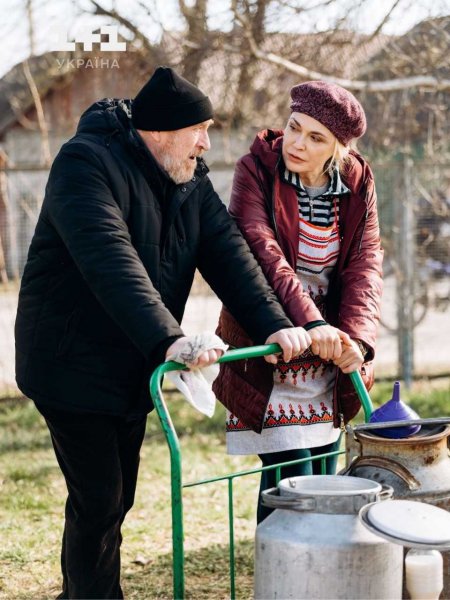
x,y
413,116
264,103
15,94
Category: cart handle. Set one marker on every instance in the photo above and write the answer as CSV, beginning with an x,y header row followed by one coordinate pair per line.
x,y
240,354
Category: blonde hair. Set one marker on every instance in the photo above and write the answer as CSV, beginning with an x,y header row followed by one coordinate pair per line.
x,y
339,157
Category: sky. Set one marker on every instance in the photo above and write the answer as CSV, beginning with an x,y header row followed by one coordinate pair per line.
x,y
53,18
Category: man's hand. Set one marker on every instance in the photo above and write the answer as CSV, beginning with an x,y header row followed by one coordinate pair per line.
x,y
204,359
326,341
351,358
293,342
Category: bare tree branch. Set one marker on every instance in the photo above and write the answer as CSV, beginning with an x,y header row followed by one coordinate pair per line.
x,y
4,207
45,144
389,85
385,19
255,15
152,10
15,105
102,11
31,214
196,38
185,10
341,21
300,9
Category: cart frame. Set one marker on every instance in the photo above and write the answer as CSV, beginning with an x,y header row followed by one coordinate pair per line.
x,y
176,463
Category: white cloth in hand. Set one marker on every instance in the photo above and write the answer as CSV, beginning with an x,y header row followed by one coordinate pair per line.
x,y
195,384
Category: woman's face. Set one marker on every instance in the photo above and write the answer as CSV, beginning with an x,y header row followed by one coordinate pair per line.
x,y
307,145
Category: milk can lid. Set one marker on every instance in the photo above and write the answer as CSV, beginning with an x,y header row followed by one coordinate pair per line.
x,y
409,523
328,485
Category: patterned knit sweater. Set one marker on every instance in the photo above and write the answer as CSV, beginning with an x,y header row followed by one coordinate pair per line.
x,y
299,413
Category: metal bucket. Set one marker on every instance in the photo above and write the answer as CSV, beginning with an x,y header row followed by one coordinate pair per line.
x,y
315,547
417,468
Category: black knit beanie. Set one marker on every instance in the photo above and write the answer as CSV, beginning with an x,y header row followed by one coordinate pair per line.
x,y
168,102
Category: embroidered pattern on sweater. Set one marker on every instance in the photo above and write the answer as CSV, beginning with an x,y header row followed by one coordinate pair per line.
x,y
319,299
234,423
297,415
296,371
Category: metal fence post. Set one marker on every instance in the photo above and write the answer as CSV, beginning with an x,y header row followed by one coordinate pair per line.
x,y
405,280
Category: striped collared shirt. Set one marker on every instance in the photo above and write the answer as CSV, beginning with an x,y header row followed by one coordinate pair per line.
x,y
317,209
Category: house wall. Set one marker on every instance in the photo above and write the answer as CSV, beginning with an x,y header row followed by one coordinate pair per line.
x,y
63,105
26,181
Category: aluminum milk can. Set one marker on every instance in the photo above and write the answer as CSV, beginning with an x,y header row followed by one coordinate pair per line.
x,y
417,467
315,547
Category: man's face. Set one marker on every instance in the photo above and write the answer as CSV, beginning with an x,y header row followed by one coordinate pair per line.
x,y
178,150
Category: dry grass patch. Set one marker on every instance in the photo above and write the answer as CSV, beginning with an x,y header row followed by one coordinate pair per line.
x,y
32,497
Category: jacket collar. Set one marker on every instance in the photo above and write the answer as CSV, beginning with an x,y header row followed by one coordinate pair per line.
x,y
267,147
357,175
336,186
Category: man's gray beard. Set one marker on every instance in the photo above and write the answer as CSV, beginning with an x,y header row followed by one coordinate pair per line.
x,y
178,173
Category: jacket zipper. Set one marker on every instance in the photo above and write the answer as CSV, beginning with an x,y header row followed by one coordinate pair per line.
x,y
364,229
272,207
274,223
365,219
268,195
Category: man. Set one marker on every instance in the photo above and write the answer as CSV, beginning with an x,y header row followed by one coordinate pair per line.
x,y
129,214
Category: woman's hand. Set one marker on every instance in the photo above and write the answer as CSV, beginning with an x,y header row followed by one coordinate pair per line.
x,y
293,342
351,358
327,341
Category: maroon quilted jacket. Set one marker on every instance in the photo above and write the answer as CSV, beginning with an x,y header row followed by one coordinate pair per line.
x,y
266,211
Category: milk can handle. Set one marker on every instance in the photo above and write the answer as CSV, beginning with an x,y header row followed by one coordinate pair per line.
x,y
272,499
387,491
388,464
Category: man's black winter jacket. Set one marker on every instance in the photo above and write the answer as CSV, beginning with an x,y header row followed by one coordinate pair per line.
x,y
111,265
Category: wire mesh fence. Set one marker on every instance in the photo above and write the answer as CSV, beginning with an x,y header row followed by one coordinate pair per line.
x,y
21,197
414,209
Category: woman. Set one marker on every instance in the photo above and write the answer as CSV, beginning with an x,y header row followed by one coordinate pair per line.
x,y
306,203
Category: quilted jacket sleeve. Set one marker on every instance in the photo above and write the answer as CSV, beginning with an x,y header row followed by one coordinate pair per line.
x,y
249,209
361,279
228,265
88,219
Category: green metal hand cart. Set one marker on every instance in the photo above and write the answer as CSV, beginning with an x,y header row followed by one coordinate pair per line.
x,y
176,464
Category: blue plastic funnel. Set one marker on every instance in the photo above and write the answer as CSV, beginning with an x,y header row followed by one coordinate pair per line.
x,y
395,410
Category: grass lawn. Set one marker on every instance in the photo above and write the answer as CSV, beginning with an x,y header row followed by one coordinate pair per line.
x,y
32,496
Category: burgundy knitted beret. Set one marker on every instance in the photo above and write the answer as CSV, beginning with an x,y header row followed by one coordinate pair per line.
x,y
331,105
